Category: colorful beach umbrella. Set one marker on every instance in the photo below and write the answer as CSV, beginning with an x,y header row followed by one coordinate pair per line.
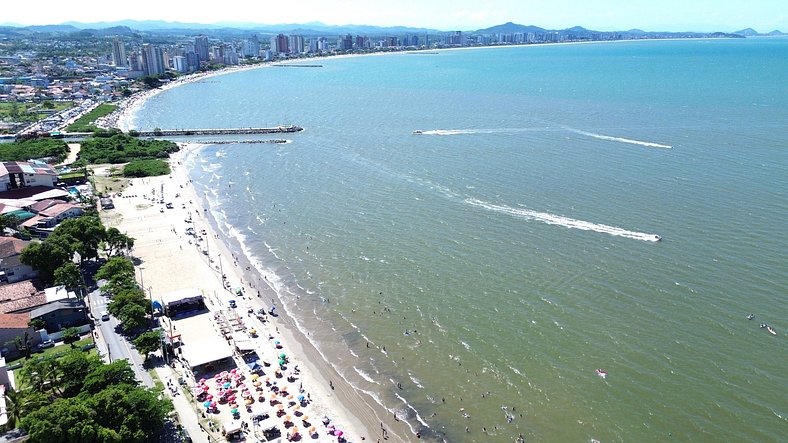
x,y
207,404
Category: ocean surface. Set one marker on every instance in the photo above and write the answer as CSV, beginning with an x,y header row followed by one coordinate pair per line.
x,y
479,273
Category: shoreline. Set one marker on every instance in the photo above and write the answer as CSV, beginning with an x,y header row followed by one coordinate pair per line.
x,y
123,116
171,261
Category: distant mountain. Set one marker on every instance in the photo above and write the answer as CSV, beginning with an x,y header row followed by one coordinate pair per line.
x,y
52,28
636,31
311,28
747,32
510,28
142,25
776,32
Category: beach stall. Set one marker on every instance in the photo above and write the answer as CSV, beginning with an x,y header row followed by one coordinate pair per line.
x,y
182,301
208,356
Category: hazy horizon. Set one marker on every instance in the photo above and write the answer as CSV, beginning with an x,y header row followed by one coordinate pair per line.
x,y
444,15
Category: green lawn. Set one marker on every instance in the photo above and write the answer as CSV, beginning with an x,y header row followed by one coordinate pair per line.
x,y
85,123
28,111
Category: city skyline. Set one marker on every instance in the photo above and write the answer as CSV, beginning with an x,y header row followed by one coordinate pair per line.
x,y
444,15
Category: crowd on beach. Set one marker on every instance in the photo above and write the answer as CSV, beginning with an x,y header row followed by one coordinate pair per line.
x,y
157,231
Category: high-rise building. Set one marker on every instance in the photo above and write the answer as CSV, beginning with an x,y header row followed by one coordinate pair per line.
x,y
135,64
152,60
295,44
251,47
201,47
279,44
180,63
192,61
119,54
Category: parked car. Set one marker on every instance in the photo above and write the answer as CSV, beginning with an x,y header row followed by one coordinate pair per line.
x,y
46,344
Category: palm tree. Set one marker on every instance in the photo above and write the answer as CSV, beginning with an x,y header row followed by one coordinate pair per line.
x,y
22,402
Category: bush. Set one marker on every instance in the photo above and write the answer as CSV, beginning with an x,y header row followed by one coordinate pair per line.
x,y
121,148
146,168
24,150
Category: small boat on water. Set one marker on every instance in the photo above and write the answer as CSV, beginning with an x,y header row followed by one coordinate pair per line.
x,y
771,330
418,131
601,373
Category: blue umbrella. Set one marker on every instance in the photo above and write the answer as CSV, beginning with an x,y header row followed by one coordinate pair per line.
x,y
300,398
226,384
207,404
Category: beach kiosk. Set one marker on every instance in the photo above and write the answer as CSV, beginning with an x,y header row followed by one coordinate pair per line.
x,y
207,356
182,302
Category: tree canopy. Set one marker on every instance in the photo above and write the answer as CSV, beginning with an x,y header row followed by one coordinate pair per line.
x,y
148,342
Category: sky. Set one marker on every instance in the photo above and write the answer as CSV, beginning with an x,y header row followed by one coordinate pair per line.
x,y
603,15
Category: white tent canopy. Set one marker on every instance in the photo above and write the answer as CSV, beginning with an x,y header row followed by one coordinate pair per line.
x,y
206,351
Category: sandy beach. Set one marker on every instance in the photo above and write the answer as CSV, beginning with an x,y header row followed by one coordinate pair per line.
x,y
171,260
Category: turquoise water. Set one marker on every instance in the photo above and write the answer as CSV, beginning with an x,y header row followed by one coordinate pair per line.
x,y
514,239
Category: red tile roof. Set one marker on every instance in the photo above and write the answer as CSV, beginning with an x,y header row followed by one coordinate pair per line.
x,y
24,295
14,321
10,246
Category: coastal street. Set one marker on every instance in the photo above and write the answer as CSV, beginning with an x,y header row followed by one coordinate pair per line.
x,y
111,345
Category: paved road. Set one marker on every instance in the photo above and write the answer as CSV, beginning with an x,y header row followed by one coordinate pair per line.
x,y
112,345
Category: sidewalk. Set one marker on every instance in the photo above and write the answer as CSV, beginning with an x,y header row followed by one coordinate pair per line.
x,y
187,416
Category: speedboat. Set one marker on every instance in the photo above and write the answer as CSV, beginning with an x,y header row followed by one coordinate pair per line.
x,y
418,131
771,330
601,373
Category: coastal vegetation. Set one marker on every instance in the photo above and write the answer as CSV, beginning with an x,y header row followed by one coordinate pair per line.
x,y
146,168
24,150
129,303
75,397
122,148
86,123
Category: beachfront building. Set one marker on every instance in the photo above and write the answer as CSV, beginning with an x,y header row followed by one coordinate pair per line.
x,y
251,47
295,44
201,48
119,58
15,175
280,44
152,60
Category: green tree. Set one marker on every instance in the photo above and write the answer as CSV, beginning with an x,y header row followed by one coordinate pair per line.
x,y
21,402
47,104
88,233
37,324
67,420
116,241
68,275
116,268
46,257
116,373
70,335
7,221
148,342
125,297
22,345
134,412
132,317
44,375
76,365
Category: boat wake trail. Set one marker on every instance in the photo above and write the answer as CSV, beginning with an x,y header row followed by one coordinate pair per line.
x,y
552,219
478,131
619,139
